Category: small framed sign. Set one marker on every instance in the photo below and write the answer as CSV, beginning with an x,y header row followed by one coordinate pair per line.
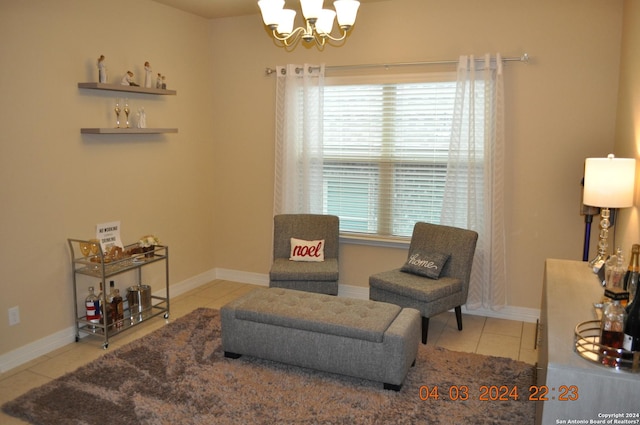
x,y
109,235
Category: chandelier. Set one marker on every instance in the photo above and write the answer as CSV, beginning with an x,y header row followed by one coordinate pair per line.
x,y
319,21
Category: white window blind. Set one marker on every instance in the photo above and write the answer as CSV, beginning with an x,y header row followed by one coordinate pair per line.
x,y
385,148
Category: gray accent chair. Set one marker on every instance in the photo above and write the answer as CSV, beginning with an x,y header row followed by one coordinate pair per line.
x,y
431,296
320,277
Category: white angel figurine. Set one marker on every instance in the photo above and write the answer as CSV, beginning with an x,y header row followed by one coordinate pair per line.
x,y
147,75
102,70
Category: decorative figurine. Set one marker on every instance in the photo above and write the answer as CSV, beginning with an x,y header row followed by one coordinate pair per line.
x,y
147,75
102,70
142,118
164,83
127,80
159,81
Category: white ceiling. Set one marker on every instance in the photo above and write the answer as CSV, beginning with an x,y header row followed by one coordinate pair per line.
x,y
214,8
226,8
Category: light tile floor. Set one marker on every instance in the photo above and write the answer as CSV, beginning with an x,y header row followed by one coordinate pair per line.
x,y
482,335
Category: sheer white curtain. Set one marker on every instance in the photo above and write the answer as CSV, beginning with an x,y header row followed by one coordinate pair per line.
x,y
298,162
474,195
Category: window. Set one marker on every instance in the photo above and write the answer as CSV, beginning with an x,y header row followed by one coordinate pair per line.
x,y
383,154
385,150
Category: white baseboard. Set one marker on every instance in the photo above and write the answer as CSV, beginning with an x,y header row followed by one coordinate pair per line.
x,y
52,342
347,291
189,284
38,348
521,314
260,279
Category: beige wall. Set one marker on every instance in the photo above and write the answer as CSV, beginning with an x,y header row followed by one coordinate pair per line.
x,y
57,183
560,109
207,191
627,141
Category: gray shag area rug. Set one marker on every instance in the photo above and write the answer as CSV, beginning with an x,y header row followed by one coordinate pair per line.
x,y
179,375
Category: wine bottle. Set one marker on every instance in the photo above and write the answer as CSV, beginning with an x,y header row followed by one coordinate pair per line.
x,y
103,309
117,308
612,330
633,272
631,340
112,286
92,307
108,307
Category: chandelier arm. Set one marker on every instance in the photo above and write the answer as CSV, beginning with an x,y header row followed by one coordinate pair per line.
x,y
329,36
291,40
287,40
309,33
319,40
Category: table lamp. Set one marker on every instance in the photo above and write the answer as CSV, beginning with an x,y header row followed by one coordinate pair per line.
x,y
608,183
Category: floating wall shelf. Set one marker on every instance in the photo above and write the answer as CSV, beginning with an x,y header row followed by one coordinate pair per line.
x,y
127,130
122,88
128,89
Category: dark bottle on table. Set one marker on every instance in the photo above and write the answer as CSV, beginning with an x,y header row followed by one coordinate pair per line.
x,y
633,272
612,331
631,340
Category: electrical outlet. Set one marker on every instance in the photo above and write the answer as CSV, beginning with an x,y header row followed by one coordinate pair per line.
x,y
14,315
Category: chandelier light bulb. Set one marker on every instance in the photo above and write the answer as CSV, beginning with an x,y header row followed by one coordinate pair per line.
x,y
271,10
324,25
285,23
311,9
347,11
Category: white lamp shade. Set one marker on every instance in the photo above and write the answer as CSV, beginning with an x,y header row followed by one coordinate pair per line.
x,y
347,11
609,182
285,21
325,21
311,8
270,10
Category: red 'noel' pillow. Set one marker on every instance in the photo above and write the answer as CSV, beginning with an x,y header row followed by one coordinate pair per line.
x,y
302,250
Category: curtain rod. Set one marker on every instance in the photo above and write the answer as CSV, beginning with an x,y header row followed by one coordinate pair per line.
x,y
524,58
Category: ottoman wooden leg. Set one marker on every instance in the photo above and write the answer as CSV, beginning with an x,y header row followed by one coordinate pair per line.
x,y
425,329
392,387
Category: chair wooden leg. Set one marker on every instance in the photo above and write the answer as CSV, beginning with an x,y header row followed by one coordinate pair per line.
x,y
425,329
459,317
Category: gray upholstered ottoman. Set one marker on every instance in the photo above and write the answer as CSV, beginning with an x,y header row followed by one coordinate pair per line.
x,y
360,338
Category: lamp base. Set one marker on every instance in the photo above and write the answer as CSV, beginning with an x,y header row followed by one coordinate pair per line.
x,y
597,265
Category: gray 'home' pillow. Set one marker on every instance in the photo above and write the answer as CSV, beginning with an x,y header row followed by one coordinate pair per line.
x,y
425,263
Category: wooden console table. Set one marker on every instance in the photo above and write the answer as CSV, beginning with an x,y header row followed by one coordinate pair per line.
x,y
570,288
